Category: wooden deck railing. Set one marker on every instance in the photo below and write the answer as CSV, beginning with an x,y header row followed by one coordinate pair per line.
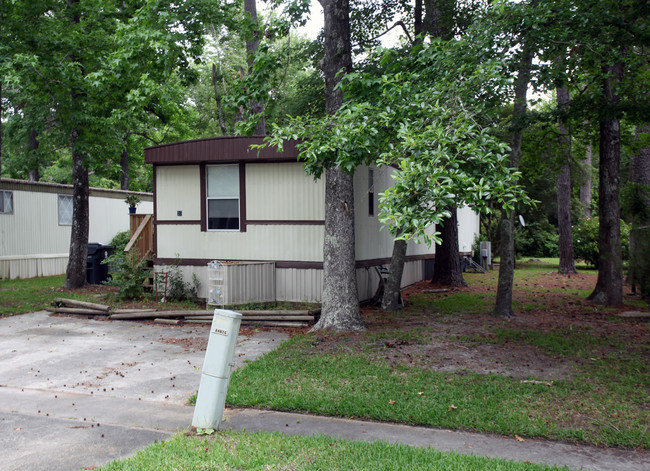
x,y
141,235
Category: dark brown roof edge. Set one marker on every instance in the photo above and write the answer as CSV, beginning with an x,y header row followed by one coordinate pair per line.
x,y
219,149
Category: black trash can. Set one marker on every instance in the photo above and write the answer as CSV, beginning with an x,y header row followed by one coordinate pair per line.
x,y
96,271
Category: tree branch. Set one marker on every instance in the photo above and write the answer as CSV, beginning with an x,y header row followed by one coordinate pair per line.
x,y
397,23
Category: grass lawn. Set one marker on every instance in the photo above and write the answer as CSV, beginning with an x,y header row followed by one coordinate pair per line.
x,y
35,294
561,369
264,451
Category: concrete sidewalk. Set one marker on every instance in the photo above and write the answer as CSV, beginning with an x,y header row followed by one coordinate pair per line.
x,y
535,451
77,393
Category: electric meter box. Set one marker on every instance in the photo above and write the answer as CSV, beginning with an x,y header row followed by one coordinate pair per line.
x,y
217,367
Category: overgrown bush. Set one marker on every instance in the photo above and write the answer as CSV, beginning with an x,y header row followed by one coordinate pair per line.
x,y
537,239
128,273
585,240
120,240
178,289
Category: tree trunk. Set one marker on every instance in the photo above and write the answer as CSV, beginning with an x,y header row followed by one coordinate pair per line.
x,y
217,97
585,188
124,166
257,107
640,174
609,287
447,270
567,263
340,303
437,18
417,21
390,300
503,307
75,275
641,162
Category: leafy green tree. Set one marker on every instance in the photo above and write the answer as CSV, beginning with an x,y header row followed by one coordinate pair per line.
x,y
97,63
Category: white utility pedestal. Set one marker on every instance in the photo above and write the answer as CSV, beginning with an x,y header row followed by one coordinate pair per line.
x,y
217,367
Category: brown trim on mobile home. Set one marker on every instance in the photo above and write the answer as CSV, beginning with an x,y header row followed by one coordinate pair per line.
x,y
219,150
155,213
170,222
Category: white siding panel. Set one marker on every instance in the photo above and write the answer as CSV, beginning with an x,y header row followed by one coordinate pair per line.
x,y
108,216
262,242
178,188
299,285
32,243
367,282
33,228
371,240
413,272
283,191
468,228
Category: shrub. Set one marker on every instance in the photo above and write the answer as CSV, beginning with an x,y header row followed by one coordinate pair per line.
x,y
120,240
537,239
128,274
178,289
585,240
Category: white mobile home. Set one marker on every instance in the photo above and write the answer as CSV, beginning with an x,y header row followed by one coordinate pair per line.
x,y
216,199
36,219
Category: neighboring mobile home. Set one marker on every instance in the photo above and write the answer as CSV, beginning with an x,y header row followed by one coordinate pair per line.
x,y
217,199
36,219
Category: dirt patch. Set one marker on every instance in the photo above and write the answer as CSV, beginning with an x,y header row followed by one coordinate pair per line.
x,y
548,306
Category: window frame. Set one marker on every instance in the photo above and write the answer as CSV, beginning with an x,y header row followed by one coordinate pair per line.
x,y
209,198
4,198
59,198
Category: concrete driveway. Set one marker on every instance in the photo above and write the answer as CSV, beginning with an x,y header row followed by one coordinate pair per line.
x,y
78,393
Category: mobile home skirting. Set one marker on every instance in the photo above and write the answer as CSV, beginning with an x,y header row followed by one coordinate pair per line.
x,y
30,266
253,282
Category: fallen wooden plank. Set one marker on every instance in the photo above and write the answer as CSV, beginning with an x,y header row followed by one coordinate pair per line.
x,y
635,314
74,302
260,317
278,318
167,321
77,310
131,311
275,324
152,314
279,312
196,322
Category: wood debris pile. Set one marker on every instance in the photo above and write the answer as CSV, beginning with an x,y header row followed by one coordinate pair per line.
x,y
271,318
